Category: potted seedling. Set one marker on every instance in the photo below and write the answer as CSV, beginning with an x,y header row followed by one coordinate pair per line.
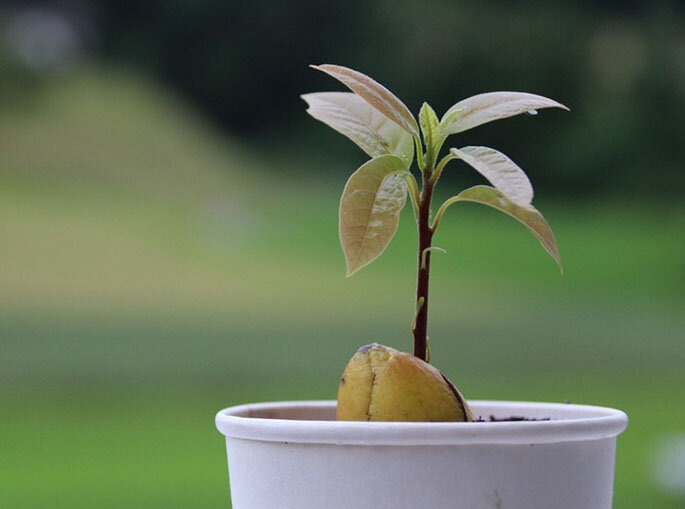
x,y
401,435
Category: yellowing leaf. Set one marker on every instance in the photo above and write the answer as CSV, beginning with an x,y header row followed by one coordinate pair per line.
x,y
353,117
527,215
369,210
375,94
501,171
482,108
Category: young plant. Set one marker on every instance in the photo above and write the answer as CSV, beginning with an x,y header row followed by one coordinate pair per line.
x,y
383,127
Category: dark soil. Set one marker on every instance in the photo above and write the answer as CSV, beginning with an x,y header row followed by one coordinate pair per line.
x,y
509,419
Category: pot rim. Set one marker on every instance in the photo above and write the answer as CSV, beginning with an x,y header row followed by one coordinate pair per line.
x,y
568,423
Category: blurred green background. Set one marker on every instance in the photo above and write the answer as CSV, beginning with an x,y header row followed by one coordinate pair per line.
x,y
169,232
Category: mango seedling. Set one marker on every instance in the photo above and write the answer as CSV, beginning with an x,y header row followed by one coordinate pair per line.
x,y
381,383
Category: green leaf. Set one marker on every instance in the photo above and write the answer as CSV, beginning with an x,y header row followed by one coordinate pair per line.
x,y
482,108
369,210
430,127
353,117
375,94
527,215
502,172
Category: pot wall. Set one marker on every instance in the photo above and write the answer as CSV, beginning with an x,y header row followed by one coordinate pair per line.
x,y
276,461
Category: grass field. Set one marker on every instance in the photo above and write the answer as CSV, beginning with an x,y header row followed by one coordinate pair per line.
x,y
152,272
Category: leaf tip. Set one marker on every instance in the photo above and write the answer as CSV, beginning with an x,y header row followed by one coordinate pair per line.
x,y
351,271
554,253
323,67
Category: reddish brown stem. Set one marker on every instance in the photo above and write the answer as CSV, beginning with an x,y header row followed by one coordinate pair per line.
x,y
424,259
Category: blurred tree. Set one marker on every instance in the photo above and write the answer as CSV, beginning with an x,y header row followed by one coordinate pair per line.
x,y
619,65
242,61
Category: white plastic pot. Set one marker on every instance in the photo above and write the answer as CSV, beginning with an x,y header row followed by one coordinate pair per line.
x,y
295,455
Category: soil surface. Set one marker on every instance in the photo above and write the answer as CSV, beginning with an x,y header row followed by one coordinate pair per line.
x,y
509,419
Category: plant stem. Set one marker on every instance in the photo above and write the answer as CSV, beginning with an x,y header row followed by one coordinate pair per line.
x,y
424,259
